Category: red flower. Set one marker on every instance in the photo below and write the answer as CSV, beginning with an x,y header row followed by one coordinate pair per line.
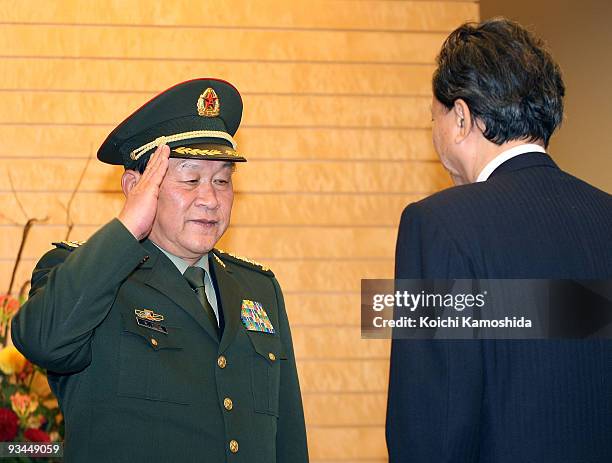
x,y
9,424
8,305
36,435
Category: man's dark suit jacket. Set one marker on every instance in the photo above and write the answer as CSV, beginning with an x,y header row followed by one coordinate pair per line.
x,y
504,401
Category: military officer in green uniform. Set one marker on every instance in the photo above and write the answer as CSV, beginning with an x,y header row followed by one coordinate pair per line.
x,y
159,347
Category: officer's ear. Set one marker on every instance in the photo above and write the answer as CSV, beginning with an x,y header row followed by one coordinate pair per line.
x,y
128,180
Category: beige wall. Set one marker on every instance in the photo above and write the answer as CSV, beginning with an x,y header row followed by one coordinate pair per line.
x,y
336,128
579,36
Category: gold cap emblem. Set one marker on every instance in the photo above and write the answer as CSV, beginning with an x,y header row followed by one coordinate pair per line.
x,y
208,103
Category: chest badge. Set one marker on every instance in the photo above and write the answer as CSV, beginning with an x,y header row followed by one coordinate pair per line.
x,y
148,314
255,318
151,320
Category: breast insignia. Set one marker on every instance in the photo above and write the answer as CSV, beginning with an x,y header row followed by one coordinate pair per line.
x,y
69,245
243,261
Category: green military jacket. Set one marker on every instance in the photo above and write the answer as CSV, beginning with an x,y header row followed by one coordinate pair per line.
x,y
171,391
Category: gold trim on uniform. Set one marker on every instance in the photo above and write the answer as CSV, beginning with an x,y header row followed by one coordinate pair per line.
x,y
221,263
244,259
204,152
165,139
208,103
73,244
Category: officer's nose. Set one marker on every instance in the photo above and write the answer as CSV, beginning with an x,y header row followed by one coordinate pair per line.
x,y
207,196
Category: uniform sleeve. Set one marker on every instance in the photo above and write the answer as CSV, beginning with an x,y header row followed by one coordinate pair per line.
x,y
435,387
71,295
291,443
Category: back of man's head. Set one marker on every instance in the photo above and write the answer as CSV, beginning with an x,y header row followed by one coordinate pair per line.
x,y
506,77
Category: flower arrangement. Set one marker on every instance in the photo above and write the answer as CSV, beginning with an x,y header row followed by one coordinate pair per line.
x,y
28,410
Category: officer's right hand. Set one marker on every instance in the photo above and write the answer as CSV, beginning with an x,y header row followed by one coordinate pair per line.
x,y
140,207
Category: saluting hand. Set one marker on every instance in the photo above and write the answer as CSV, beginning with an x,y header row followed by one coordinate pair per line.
x,y
142,191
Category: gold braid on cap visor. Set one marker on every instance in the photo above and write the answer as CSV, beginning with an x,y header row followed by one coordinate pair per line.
x,y
134,155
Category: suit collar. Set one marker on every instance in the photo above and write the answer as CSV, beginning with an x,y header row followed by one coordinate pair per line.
x,y
505,156
525,161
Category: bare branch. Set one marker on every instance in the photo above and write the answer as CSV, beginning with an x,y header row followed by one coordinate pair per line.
x,y
10,179
24,237
69,221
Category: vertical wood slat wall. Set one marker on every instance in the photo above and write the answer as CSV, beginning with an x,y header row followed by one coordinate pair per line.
x,y
336,128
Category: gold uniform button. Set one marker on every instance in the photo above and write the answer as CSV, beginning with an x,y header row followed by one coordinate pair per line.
x,y
271,356
233,445
221,361
228,404
154,342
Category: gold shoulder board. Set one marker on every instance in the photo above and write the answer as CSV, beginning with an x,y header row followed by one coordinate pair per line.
x,y
244,262
69,245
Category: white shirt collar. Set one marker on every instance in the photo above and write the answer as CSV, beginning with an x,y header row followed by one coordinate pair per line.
x,y
504,156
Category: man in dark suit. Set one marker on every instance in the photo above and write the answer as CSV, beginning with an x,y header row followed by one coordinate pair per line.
x,y
159,347
498,97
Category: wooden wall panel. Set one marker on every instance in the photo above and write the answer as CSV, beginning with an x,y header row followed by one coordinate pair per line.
x,y
364,409
350,376
337,342
281,77
323,309
336,128
322,275
255,44
318,14
347,443
259,110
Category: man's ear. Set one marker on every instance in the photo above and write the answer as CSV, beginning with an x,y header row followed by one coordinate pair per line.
x,y
463,119
129,179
